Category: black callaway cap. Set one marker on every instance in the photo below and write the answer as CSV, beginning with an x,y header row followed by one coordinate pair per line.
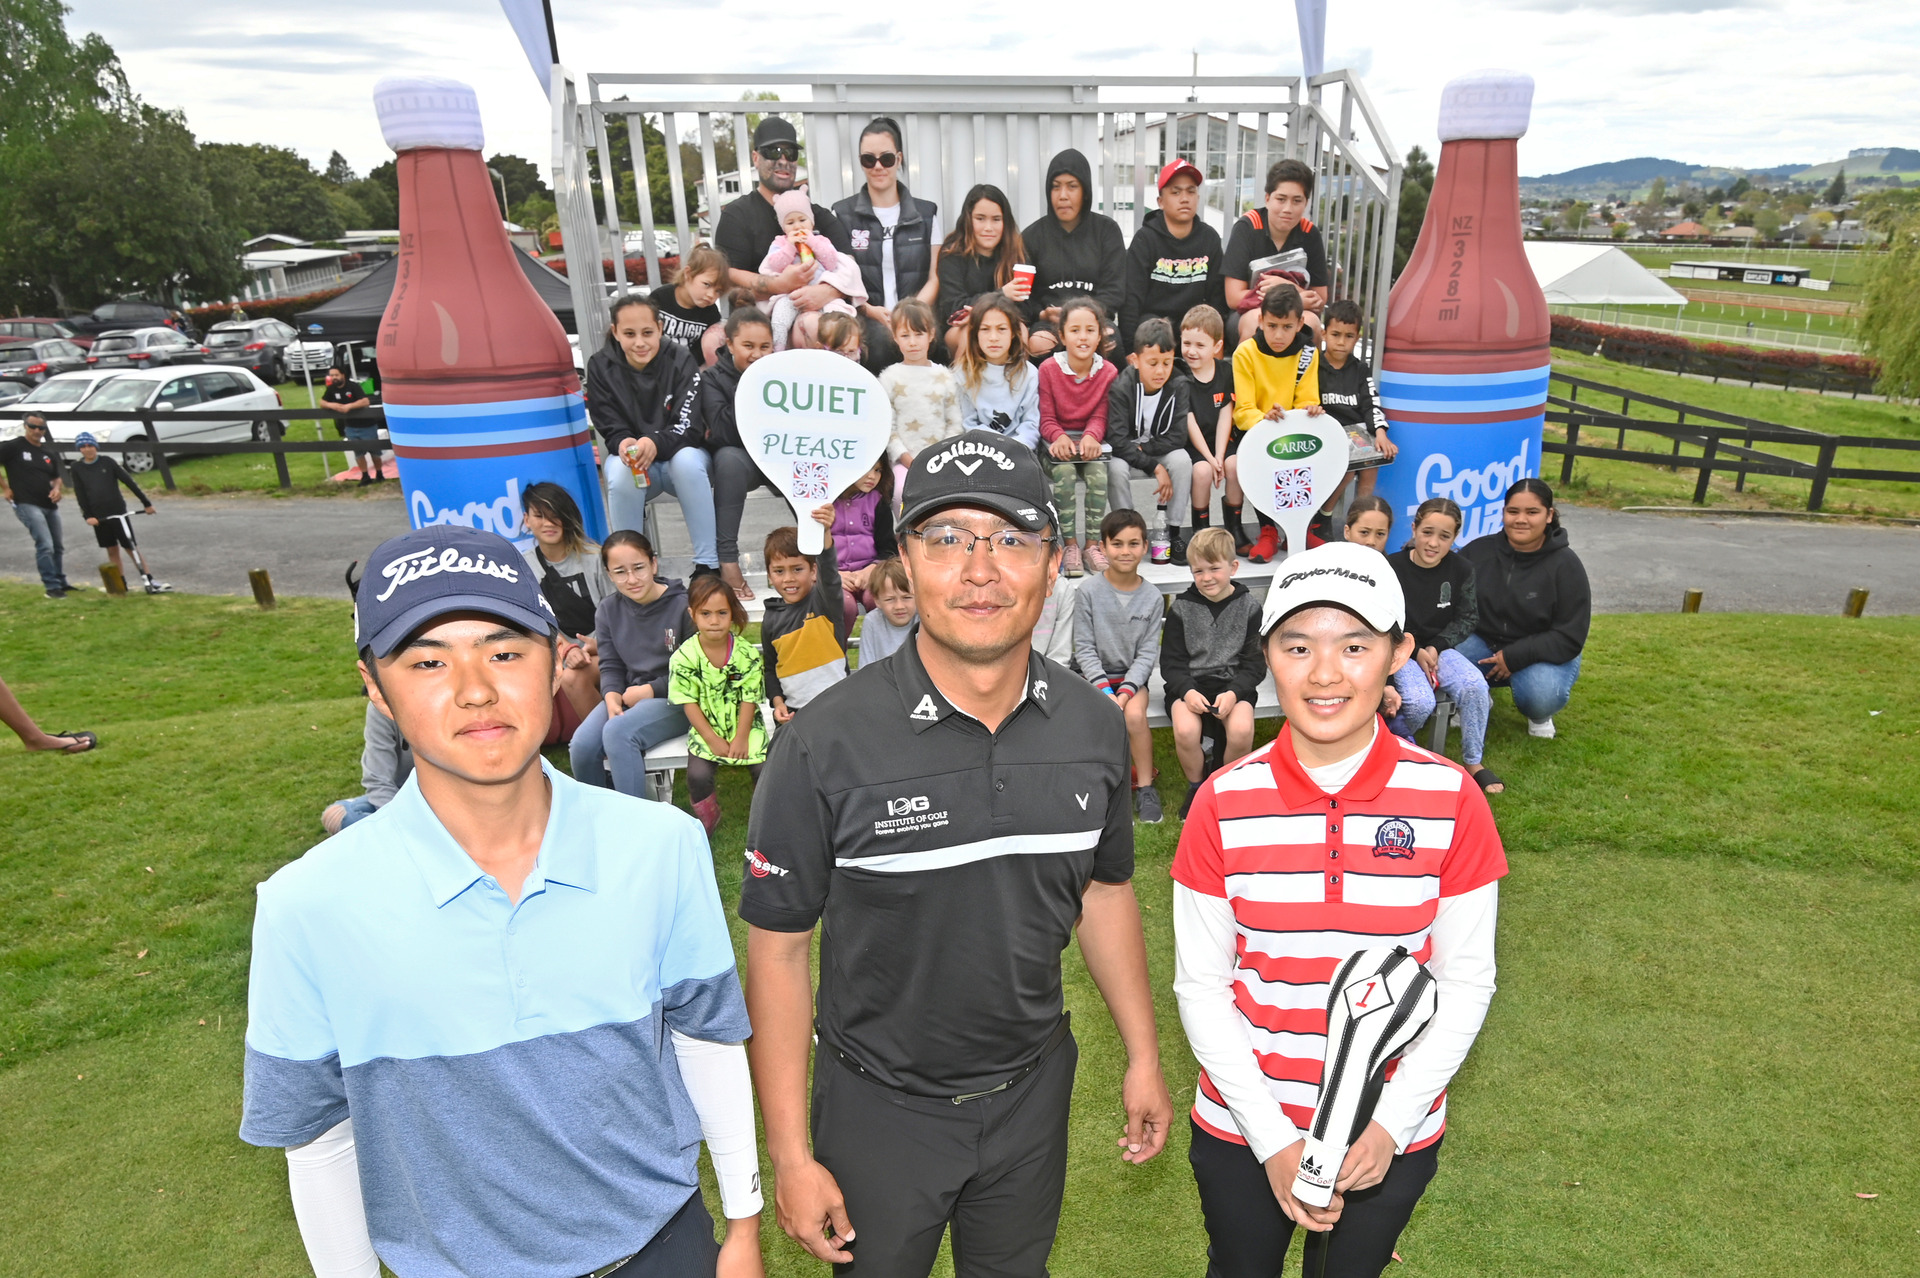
x,y
979,468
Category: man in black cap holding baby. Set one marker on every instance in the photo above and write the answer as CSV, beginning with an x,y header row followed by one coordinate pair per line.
x,y
946,816
748,226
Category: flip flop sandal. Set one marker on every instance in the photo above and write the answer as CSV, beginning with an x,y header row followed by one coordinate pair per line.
x,y
1487,777
87,741
744,594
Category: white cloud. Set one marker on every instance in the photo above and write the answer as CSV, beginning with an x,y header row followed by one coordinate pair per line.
x,y
1738,82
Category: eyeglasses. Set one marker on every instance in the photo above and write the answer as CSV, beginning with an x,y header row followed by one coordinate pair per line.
x,y
778,151
626,572
884,160
946,544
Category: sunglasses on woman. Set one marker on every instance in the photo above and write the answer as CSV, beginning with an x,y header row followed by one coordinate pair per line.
x,y
884,160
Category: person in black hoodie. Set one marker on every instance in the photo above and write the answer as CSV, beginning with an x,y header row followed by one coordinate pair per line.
x,y
1211,662
1442,610
706,425
1148,413
1176,260
1535,606
1074,252
637,383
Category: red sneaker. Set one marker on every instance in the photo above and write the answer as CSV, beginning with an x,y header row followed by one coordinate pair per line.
x,y
1267,547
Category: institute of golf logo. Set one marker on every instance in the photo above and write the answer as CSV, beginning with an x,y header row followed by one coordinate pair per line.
x,y
1394,839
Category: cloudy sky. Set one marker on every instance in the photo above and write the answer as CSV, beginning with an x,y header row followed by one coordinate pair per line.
x,y
1737,82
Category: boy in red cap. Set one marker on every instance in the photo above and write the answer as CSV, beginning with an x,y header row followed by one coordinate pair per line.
x,y
1176,259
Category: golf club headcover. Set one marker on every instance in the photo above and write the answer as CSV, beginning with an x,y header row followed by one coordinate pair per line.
x,y
1377,1003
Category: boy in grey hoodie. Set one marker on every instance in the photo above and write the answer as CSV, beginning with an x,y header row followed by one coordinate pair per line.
x,y
1116,641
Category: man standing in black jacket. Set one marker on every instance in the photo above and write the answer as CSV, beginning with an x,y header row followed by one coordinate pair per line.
x,y
1075,253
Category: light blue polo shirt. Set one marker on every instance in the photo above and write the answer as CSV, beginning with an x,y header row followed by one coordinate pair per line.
x,y
516,1102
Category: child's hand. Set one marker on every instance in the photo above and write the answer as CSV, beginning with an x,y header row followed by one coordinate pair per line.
x,y
1224,703
1314,410
94,522
1123,696
1275,413
799,235
1089,448
639,692
1196,703
1390,701
1162,485
1062,449
823,515
780,712
615,705
149,511
1388,449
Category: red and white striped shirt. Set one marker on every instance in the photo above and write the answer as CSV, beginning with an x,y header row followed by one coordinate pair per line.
x,y
1311,878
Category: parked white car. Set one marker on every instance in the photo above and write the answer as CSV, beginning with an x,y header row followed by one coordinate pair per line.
x,y
309,357
56,395
189,388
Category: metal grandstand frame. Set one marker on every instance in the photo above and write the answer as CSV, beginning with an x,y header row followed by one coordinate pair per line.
x,y
966,129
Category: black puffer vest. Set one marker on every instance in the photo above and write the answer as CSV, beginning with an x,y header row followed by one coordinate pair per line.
x,y
913,246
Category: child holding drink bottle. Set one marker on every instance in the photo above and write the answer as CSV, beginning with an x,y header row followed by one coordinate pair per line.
x,y
979,256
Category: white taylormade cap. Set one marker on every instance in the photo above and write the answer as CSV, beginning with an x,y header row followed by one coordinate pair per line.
x,y
1340,574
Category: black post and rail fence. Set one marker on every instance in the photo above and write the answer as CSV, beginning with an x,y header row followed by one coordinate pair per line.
x,y
268,428
1726,441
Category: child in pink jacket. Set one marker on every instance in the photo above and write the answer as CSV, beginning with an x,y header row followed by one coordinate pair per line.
x,y
802,243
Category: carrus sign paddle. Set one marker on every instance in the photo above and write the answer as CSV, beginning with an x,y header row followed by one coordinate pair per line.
x,y
1289,466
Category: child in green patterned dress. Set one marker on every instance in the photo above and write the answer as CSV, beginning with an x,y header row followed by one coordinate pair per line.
x,y
720,680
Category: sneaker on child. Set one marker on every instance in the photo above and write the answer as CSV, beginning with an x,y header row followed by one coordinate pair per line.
x,y
1146,803
1542,728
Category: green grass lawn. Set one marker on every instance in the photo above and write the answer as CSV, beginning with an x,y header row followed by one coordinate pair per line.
x,y
1847,270
255,472
1704,1046
1622,483
1766,320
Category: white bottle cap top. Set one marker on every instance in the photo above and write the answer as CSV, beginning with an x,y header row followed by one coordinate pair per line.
x,y
1486,104
426,111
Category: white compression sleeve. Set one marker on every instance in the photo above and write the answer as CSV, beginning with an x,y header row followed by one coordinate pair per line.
x,y
721,1089
1463,971
323,1179
1203,949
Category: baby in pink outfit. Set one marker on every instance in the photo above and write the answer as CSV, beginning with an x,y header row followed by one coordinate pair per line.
x,y
801,243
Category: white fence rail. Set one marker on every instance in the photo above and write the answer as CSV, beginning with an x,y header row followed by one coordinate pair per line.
x,y
963,130
1744,334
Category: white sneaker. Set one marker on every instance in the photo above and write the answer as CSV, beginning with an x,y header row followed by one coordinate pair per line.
x,y
1542,728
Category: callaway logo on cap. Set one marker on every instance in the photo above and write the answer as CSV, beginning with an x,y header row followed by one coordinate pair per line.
x,y
980,468
1340,574
430,572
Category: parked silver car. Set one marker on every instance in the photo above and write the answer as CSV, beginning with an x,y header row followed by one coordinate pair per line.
x,y
143,348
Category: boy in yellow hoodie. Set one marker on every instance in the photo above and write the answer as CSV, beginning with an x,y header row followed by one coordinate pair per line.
x,y
1277,370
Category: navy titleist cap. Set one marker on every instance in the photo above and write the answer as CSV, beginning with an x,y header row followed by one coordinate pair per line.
x,y
430,572
979,468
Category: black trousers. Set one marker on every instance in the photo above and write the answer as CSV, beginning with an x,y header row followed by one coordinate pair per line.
x,y
684,1247
995,1167
1248,1234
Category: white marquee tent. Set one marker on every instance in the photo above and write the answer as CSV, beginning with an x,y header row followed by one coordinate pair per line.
x,y
1596,274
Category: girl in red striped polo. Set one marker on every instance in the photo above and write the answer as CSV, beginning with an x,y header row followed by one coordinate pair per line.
x,y
1336,837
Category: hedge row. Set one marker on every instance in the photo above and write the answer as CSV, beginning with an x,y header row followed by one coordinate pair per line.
x,y
1650,348
280,308
636,267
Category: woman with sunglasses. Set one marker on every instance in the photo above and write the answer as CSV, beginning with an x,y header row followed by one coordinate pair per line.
x,y
895,234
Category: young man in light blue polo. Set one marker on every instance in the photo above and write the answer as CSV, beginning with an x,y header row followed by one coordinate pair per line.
x,y
492,1022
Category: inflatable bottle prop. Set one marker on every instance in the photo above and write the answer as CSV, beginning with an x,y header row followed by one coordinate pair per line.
x,y
1463,373
481,396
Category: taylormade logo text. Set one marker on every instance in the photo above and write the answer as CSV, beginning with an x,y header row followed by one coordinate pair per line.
x,y
1305,573
431,563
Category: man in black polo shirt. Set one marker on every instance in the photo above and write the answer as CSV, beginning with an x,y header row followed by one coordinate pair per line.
x,y
949,814
748,226
30,481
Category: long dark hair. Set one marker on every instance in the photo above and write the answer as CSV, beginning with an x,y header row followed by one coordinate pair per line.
x,y
1007,253
884,487
1538,488
550,501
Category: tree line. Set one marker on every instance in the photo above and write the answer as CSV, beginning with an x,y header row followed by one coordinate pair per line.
x,y
103,195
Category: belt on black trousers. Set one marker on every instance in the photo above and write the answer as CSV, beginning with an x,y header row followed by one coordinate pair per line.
x,y
1051,1046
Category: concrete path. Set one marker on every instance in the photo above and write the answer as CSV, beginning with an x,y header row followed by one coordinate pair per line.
x,y
1638,562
